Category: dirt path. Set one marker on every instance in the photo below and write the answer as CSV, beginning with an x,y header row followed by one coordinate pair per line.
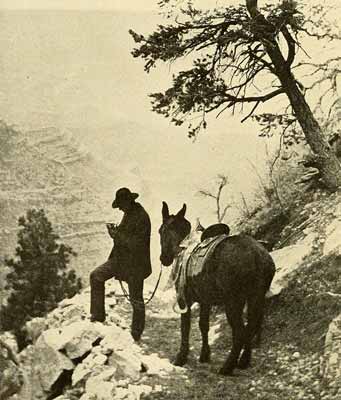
x,y
279,370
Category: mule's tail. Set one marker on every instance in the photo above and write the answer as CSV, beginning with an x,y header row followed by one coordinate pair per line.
x,y
257,309
270,273
266,265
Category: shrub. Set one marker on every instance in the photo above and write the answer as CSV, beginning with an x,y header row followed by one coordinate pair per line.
x,y
38,277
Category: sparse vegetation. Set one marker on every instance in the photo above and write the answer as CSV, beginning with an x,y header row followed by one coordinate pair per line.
x,y
216,195
38,277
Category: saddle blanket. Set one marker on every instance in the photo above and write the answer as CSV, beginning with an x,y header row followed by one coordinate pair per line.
x,y
190,262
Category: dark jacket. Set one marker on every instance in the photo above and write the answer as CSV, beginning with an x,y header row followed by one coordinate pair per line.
x,y
131,251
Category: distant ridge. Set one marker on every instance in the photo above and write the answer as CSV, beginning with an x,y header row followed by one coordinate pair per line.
x,y
49,168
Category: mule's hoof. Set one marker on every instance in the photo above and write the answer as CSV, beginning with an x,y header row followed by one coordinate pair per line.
x,y
243,364
244,361
225,371
180,360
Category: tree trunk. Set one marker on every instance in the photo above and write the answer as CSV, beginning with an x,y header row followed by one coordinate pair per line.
x,y
326,160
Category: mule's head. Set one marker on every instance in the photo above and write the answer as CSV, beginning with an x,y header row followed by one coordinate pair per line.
x,y
173,230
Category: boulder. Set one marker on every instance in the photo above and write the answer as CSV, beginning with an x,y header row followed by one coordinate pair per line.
x,y
45,368
34,328
10,340
107,375
80,300
92,365
156,365
98,389
72,313
11,377
54,363
331,364
75,339
128,365
121,393
136,391
133,392
117,338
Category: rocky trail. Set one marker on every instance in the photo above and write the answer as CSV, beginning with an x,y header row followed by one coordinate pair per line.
x,y
280,369
70,358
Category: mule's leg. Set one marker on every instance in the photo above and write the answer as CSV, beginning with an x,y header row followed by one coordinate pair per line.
x,y
234,313
255,318
204,324
258,334
181,357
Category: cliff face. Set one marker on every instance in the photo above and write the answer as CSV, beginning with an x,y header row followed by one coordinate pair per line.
x,y
50,169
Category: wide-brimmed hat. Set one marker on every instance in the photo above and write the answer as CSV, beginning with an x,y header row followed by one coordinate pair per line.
x,y
122,196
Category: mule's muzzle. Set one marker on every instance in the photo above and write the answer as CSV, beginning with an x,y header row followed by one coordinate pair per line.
x,y
166,260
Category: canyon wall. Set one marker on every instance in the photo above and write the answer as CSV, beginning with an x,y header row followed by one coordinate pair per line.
x,y
50,169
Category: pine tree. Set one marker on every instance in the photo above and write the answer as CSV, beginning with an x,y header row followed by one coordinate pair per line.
x,y
244,56
38,277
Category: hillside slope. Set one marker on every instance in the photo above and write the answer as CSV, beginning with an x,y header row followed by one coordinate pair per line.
x,y
299,358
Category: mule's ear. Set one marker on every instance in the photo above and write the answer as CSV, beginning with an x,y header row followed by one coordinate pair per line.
x,y
182,212
165,211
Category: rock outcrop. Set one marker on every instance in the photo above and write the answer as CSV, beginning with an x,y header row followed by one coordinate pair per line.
x,y
71,357
331,362
316,235
11,377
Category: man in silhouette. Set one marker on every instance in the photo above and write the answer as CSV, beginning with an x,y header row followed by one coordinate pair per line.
x,y
129,260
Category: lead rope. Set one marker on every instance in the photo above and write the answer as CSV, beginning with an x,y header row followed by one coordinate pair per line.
x,y
138,302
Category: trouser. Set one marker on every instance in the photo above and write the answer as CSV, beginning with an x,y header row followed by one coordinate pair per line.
x,y
135,286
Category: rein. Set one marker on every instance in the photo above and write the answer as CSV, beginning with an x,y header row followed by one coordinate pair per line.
x,y
138,302
179,261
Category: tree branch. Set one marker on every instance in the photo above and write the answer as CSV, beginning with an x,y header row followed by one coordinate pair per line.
x,y
232,100
251,112
291,45
207,193
252,99
223,214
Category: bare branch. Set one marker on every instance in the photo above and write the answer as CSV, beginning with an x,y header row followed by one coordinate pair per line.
x,y
207,193
222,182
251,112
223,214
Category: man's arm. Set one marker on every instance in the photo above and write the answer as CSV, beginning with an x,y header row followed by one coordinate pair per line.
x,y
134,233
112,230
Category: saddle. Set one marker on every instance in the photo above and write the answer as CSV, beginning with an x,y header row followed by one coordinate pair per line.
x,y
215,230
193,258
201,255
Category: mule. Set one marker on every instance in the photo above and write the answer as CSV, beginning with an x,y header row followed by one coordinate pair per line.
x,y
239,273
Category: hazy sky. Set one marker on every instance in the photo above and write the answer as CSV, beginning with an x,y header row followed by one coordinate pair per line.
x,y
137,5
74,70
95,4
